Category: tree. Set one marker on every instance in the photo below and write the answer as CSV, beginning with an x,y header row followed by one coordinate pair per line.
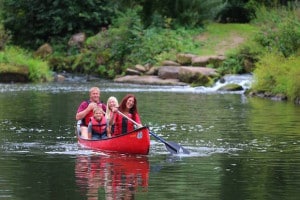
x,y
34,22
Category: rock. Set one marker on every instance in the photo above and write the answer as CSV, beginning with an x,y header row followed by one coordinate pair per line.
x,y
196,75
200,70
77,40
13,73
205,60
152,71
140,68
170,63
59,78
150,80
130,71
184,59
200,60
231,87
168,72
43,51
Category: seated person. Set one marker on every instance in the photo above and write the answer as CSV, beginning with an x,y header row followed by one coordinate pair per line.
x,y
85,111
121,122
97,127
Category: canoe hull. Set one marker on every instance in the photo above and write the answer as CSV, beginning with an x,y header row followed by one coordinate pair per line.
x,y
135,142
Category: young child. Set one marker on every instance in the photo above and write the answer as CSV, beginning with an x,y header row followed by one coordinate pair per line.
x,y
112,105
97,127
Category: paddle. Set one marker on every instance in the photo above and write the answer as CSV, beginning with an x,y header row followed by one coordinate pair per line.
x,y
172,147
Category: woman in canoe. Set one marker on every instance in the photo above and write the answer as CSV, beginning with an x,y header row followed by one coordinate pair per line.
x,y
128,107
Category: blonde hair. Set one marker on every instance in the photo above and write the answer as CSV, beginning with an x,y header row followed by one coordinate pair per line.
x,y
108,111
94,88
98,109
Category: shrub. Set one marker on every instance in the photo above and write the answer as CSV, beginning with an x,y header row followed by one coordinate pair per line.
x,y
277,74
280,30
38,69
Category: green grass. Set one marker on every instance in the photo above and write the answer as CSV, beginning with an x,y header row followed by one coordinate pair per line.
x,y
15,59
224,37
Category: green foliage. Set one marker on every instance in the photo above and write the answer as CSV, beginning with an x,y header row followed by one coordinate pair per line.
x,y
280,30
126,43
33,23
158,44
178,13
38,69
276,74
232,65
4,38
235,11
242,60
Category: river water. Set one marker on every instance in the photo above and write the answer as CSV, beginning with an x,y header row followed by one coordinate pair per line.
x,y
241,148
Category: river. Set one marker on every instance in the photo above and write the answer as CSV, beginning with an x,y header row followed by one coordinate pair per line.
x,y
241,147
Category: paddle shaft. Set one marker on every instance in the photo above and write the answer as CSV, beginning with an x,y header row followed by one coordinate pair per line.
x,y
173,148
128,118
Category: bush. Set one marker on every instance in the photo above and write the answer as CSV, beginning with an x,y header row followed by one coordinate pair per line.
x,y
277,74
33,23
4,38
38,69
280,30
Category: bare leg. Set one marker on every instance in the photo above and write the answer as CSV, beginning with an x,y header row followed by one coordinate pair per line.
x,y
84,132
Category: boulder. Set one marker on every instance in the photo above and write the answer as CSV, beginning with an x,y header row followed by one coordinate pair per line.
x,y
205,60
77,40
140,68
148,80
168,72
231,87
43,51
196,75
169,63
130,71
184,59
13,73
152,71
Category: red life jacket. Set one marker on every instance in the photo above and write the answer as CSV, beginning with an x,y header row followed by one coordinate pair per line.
x,y
122,125
87,118
99,127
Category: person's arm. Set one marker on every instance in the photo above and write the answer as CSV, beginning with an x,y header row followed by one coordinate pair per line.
x,y
83,112
112,118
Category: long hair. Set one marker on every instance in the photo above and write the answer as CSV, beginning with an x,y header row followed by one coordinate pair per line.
x,y
122,106
108,111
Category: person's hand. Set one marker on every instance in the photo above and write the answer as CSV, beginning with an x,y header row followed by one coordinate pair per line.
x,y
114,109
92,106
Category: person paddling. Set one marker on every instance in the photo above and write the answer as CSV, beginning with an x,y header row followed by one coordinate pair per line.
x,y
127,107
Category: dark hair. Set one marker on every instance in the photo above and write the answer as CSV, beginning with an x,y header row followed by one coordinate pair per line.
x,y
122,106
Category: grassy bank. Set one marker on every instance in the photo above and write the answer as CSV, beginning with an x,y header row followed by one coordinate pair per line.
x,y
17,61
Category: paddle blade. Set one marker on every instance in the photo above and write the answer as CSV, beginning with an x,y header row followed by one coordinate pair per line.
x,y
175,148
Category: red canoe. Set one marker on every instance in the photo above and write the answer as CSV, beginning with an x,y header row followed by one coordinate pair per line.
x,y
135,142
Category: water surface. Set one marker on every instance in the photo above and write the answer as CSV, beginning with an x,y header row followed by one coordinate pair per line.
x,y
241,148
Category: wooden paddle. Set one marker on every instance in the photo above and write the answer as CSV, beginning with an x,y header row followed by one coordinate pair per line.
x,y
172,147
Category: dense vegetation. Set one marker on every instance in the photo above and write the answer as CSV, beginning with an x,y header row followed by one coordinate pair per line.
x,y
122,33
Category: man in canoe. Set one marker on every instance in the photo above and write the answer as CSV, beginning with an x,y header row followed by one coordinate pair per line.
x,y
85,110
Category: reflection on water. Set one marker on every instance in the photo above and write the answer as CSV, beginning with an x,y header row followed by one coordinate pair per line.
x,y
241,148
111,176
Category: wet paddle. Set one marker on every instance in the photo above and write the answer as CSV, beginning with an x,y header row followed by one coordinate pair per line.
x,y
172,147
